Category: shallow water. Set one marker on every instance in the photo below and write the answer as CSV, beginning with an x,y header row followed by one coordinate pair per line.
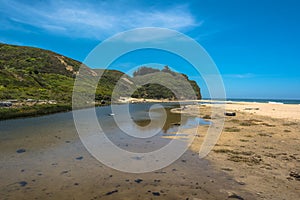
x,y
53,163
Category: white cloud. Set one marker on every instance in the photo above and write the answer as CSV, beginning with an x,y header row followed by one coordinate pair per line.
x,y
240,76
151,35
98,20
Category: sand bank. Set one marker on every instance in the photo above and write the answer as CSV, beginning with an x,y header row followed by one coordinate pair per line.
x,y
259,147
274,110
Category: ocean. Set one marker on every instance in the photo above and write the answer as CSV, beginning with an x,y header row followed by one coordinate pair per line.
x,y
278,101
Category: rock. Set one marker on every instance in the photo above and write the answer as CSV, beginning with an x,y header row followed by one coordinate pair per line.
x,y
156,193
23,183
234,196
241,183
295,175
230,114
138,180
251,109
21,151
79,158
227,169
64,172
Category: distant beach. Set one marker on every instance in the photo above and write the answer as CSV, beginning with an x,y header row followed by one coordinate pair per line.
x,y
280,101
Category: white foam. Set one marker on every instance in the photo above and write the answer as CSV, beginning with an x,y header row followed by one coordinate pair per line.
x,y
272,102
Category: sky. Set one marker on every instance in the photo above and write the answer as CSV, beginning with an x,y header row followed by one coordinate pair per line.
x,y
254,43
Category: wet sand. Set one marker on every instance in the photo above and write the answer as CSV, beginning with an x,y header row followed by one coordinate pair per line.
x,y
259,147
37,162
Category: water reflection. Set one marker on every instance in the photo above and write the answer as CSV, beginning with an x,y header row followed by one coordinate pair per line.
x,y
139,125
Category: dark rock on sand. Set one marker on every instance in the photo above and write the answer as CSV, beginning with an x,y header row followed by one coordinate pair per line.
x,y
64,172
231,114
138,180
156,193
295,175
21,150
234,196
79,158
23,183
112,192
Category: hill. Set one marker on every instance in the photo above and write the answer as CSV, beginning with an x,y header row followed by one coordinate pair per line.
x,y
163,84
32,73
40,81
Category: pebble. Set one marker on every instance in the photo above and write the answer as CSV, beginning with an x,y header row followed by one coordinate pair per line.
x,y
21,151
241,183
234,196
79,158
23,183
156,193
295,175
227,169
138,180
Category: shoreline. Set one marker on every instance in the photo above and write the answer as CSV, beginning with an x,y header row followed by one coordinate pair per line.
x,y
251,107
10,113
259,148
33,111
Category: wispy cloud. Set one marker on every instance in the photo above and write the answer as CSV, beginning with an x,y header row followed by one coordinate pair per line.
x,y
151,35
240,76
94,20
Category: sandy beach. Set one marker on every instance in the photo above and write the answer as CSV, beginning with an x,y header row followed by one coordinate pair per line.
x,y
256,157
259,147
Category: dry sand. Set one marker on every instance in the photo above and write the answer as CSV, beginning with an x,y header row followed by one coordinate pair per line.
x,y
260,147
280,111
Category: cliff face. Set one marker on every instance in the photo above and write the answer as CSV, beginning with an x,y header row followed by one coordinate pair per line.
x,y
33,73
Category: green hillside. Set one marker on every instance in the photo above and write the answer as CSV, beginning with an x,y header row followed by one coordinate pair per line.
x,y
32,73
163,84
35,75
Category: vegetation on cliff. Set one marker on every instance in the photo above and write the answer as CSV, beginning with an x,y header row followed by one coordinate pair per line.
x,y
37,75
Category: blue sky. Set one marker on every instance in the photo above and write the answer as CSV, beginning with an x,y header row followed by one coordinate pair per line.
x,y
255,44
